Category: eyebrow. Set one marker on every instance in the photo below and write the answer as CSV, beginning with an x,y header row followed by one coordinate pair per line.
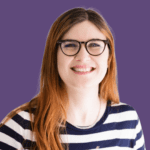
x,y
85,41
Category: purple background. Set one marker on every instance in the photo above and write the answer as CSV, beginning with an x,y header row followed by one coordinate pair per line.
x,y
24,27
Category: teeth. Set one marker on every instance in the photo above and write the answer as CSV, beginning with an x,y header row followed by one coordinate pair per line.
x,y
82,70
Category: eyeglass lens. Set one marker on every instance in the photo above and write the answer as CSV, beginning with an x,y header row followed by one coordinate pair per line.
x,y
94,47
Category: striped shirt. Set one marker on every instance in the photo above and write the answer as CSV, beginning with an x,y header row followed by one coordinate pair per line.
x,y
118,129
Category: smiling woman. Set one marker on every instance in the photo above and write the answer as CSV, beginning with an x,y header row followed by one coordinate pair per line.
x,y
78,106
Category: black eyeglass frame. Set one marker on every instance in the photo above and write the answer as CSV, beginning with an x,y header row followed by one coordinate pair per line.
x,y
85,43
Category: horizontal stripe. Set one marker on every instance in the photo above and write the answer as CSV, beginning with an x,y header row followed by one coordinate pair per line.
x,y
114,148
120,117
4,146
25,115
15,127
108,135
119,129
102,144
140,141
9,141
28,134
138,127
120,104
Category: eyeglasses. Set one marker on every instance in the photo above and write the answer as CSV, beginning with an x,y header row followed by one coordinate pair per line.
x,y
94,47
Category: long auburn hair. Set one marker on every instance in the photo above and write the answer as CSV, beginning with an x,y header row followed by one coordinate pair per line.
x,y
52,100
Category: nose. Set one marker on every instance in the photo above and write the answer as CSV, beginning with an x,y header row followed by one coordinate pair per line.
x,y
82,54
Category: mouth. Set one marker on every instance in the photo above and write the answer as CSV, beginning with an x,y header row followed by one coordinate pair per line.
x,y
90,70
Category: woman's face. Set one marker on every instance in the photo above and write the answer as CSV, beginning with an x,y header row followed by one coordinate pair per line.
x,y
83,31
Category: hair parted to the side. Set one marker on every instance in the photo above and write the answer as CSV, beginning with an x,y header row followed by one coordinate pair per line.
x,y
52,100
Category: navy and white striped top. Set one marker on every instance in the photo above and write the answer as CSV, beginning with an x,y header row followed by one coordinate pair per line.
x,y
118,129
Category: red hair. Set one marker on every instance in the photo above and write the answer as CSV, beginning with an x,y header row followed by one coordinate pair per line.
x,y
52,100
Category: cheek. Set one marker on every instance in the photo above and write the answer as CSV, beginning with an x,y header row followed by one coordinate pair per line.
x,y
102,67
103,61
102,71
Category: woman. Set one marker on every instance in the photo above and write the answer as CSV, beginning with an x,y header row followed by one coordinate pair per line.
x,y
78,106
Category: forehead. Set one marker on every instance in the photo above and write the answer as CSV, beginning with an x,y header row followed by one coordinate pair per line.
x,y
84,31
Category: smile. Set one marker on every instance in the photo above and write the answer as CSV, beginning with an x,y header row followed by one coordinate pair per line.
x,y
83,72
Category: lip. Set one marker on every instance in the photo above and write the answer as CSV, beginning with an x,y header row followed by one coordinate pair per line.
x,y
83,73
82,66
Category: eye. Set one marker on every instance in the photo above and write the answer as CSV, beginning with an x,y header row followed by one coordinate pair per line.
x,y
93,45
70,45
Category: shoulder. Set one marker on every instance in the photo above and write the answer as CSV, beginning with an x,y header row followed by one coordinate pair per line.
x,y
19,122
124,110
122,105
122,115
16,130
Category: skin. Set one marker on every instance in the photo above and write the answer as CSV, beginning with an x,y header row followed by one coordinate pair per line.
x,y
83,89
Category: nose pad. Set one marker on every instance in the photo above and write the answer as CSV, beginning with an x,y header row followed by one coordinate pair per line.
x,y
82,55
83,46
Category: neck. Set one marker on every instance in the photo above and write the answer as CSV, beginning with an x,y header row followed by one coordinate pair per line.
x,y
83,105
